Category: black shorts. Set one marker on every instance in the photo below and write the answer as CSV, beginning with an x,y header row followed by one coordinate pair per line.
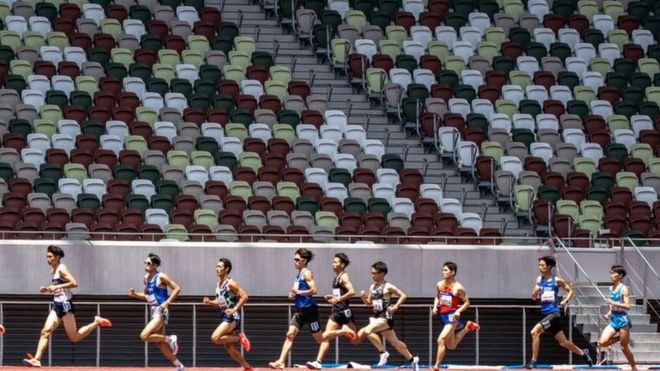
x,y
552,323
62,308
308,315
342,316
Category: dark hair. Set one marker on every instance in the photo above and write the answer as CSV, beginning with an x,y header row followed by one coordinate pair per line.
x,y
227,263
380,267
549,261
155,259
343,258
55,250
305,254
452,267
619,269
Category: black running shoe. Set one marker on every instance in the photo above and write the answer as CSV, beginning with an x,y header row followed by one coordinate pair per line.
x,y
587,357
531,365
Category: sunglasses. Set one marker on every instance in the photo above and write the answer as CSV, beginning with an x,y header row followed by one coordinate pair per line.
x,y
147,262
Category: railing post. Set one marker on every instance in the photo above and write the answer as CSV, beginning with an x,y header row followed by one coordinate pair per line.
x,y
289,355
2,338
430,335
570,334
146,345
194,335
476,317
242,328
98,338
50,342
337,350
524,336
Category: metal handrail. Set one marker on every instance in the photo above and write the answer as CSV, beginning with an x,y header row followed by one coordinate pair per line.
x,y
195,304
643,281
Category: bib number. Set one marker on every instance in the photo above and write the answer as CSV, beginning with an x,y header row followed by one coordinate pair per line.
x,y
348,313
151,299
221,302
451,318
336,293
66,307
446,299
548,296
377,305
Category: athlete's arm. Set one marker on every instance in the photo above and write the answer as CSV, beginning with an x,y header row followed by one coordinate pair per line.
x,y
536,289
350,290
366,299
625,297
137,295
176,289
69,280
436,300
395,291
309,279
242,297
464,298
569,291
208,301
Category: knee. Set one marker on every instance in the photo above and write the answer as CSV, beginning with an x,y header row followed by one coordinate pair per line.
x,y
75,339
451,346
290,336
144,336
535,333
442,341
318,339
565,343
216,339
602,344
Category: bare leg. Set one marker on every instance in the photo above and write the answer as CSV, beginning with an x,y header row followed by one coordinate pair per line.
x,y
154,332
223,334
236,355
564,342
372,332
164,347
445,340
625,348
399,345
51,324
331,332
536,333
74,333
286,347
607,338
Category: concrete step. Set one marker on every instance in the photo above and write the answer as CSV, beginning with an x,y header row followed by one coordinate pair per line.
x,y
645,357
637,327
635,318
636,336
576,309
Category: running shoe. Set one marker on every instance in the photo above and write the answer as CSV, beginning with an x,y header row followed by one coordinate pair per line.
x,y
248,368
2,329
415,363
275,366
587,357
472,326
245,342
179,368
103,322
531,365
350,334
172,342
316,365
31,362
383,358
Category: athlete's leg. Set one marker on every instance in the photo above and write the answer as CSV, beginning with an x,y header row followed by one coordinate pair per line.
x,y
536,333
332,330
286,347
154,331
235,354
625,348
458,336
51,324
399,345
163,346
564,342
372,332
224,334
445,340
76,334
607,338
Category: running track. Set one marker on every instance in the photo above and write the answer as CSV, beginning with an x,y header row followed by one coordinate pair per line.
x,y
472,368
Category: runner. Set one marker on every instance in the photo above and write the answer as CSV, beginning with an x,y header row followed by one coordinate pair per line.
x,y
619,323
546,290
307,311
447,303
341,318
63,310
230,298
156,294
382,321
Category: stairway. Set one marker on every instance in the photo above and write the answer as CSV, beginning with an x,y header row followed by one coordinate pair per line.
x,y
644,333
271,37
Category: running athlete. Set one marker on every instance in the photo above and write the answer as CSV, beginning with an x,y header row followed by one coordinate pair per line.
x,y
230,298
382,320
546,290
156,294
450,302
341,318
63,310
619,302
307,311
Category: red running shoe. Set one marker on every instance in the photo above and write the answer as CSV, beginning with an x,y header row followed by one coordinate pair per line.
x,y
245,342
103,322
350,335
472,326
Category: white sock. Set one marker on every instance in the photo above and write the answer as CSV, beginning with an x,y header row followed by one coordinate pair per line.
x,y
177,363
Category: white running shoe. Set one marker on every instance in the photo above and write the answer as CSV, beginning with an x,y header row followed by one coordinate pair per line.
x,y
31,362
383,358
316,365
415,363
179,368
172,342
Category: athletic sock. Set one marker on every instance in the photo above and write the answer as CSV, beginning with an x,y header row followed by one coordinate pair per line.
x,y
177,363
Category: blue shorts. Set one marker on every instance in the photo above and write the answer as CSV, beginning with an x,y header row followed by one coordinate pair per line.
x,y
448,319
236,318
617,322
63,308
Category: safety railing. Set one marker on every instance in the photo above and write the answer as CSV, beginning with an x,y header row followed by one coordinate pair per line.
x,y
641,283
433,331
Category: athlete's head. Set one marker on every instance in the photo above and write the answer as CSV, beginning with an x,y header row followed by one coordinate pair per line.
x,y
546,263
54,254
302,257
377,269
340,262
617,272
223,266
449,269
151,262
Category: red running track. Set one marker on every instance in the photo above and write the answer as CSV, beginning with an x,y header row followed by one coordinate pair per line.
x,y
474,368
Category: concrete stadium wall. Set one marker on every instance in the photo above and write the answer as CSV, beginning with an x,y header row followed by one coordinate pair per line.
x,y
266,269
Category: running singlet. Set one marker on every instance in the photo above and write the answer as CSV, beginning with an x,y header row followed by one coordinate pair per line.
x,y
339,290
302,301
615,295
549,294
448,302
224,296
60,295
379,302
155,295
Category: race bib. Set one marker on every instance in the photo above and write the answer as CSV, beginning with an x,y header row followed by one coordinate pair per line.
x,y
348,313
446,299
151,299
377,304
548,296
451,318
336,293
221,302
